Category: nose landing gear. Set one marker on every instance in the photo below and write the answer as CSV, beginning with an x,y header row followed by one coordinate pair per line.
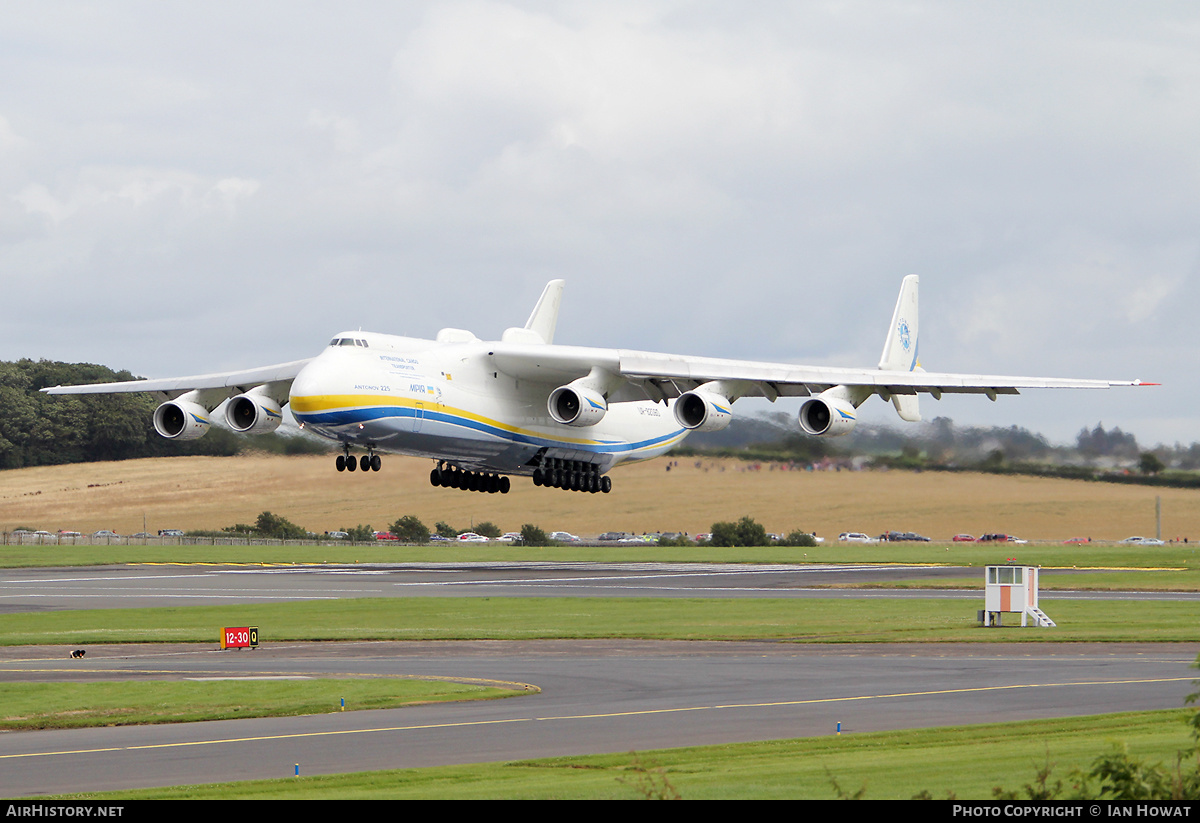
x,y
368,462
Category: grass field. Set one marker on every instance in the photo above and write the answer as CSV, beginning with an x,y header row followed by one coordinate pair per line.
x,y
450,618
214,492
29,706
1175,567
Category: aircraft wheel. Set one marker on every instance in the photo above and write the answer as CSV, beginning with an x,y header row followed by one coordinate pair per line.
x,y
537,477
351,464
341,462
435,478
364,463
505,484
606,484
376,463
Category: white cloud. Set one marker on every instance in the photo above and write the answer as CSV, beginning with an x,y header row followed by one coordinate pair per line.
x,y
731,179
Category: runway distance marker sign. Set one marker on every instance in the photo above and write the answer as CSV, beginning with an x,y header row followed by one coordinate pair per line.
x,y
241,637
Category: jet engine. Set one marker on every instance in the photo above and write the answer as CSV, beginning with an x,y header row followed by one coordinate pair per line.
x,y
575,405
181,420
703,412
828,415
253,413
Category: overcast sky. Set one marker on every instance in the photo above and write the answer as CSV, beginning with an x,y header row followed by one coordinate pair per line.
x,y
195,187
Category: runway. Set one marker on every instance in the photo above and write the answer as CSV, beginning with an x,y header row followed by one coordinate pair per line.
x,y
583,697
594,696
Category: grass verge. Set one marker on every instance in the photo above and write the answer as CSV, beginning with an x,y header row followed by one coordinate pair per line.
x,y
1174,556
798,619
887,765
29,706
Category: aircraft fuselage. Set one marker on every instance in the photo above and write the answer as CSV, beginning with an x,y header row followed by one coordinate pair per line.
x,y
450,402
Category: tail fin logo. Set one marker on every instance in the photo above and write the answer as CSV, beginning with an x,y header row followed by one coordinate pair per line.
x,y
905,336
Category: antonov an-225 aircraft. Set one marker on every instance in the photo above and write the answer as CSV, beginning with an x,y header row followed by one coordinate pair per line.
x,y
564,415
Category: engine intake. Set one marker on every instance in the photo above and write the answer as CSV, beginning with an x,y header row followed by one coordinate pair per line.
x,y
253,413
574,405
701,411
828,416
181,420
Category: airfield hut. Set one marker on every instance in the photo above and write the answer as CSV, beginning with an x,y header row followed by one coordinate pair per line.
x,y
1012,590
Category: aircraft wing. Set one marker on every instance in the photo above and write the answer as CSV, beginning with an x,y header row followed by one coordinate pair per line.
x,y
661,376
781,379
175,386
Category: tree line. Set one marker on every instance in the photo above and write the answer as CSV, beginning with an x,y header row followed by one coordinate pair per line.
x,y
38,429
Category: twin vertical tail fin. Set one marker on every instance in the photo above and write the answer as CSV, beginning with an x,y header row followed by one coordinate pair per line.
x,y
539,328
900,347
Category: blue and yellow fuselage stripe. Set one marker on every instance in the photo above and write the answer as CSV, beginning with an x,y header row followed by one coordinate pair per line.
x,y
333,411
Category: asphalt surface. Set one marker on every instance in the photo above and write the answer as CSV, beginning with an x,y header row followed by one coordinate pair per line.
x,y
581,697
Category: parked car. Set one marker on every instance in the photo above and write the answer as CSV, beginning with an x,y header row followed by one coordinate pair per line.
x,y
105,533
607,536
564,537
855,537
471,537
992,538
911,537
170,532
507,537
963,538
437,538
1142,541
385,536
1077,541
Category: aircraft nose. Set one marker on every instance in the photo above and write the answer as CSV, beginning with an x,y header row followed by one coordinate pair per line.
x,y
310,380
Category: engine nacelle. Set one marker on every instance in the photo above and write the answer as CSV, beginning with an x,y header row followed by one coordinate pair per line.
x,y
703,412
253,413
575,405
181,420
828,416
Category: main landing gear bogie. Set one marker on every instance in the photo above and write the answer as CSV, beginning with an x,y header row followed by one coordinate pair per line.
x,y
572,475
454,478
369,462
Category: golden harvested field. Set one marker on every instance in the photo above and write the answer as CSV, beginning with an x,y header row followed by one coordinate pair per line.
x,y
213,492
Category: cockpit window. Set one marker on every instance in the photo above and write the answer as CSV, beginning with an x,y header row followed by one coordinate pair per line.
x,y
348,341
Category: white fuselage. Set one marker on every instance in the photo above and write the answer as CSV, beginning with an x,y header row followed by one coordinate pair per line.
x,y
450,402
